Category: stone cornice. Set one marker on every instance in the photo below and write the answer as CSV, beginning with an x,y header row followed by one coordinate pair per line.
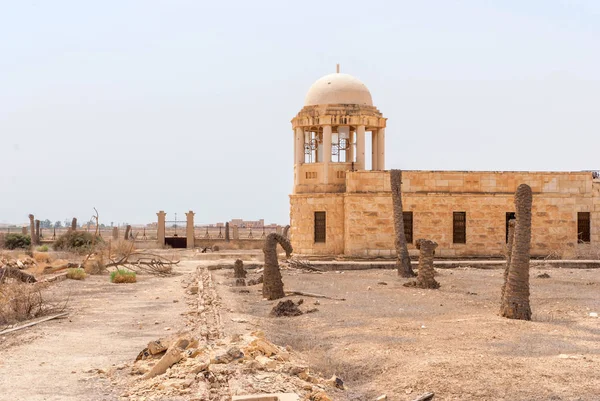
x,y
339,114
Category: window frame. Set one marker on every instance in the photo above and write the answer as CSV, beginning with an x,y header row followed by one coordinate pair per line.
x,y
408,217
584,233
459,236
320,227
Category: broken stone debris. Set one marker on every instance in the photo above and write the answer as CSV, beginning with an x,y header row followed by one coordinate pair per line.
x,y
181,365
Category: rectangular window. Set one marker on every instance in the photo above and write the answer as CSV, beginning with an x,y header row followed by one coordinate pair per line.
x,y
509,216
408,226
320,226
459,227
583,227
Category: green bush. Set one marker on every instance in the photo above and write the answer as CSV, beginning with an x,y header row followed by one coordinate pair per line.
x,y
14,241
43,248
75,241
122,276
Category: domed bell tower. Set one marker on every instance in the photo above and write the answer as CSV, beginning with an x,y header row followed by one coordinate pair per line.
x,y
329,134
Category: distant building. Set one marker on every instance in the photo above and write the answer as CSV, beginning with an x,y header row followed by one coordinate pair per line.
x,y
247,223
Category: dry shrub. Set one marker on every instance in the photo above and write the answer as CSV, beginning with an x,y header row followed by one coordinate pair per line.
x,y
95,264
20,301
42,257
119,248
76,274
122,276
77,241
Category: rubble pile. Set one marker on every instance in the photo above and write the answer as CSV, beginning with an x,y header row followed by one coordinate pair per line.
x,y
241,364
23,262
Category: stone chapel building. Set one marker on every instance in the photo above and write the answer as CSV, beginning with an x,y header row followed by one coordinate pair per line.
x,y
340,208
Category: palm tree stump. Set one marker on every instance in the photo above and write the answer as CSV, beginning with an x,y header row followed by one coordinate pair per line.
x,y
509,248
403,259
272,283
425,279
515,302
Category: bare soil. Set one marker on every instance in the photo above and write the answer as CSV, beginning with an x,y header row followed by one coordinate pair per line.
x,y
107,326
403,342
383,339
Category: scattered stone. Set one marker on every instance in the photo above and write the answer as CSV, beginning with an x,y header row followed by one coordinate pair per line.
x,y
265,362
231,355
593,314
382,283
381,398
317,302
335,382
193,289
255,281
543,275
286,308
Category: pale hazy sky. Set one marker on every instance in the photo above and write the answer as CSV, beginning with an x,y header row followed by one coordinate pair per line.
x,y
136,106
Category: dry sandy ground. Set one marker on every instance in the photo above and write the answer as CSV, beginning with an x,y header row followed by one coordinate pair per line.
x,y
384,339
403,342
108,325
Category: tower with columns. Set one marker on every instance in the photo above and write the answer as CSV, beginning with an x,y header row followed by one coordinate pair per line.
x,y
330,134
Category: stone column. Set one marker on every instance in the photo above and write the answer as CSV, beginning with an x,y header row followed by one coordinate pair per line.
x,y
160,230
381,149
360,147
326,152
298,152
350,153
189,229
374,152
236,232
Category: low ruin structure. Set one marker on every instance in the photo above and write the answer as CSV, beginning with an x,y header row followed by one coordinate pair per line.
x,y
341,206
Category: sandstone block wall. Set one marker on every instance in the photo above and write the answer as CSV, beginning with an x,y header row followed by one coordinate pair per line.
x,y
302,226
363,217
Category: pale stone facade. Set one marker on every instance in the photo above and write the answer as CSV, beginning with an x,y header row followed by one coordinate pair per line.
x,y
358,218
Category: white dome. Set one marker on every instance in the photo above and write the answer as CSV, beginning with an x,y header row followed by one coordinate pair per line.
x,y
338,89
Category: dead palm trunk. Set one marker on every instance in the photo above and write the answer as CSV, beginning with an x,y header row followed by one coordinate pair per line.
x,y
74,224
515,304
403,259
127,232
425,278
227,239
509,248
286,231
272,283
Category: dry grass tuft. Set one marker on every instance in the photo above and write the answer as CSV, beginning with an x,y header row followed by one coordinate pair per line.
x,y
122,276
76,274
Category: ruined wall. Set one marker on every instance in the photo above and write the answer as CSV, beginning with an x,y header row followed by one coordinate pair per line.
x,y
302,208
366,219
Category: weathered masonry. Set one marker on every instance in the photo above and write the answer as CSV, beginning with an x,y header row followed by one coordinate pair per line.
x,y
340,208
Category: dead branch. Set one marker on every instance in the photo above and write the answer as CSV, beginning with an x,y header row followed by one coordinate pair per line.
x,y
310,294
303,264
34,323
425,397
145,262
